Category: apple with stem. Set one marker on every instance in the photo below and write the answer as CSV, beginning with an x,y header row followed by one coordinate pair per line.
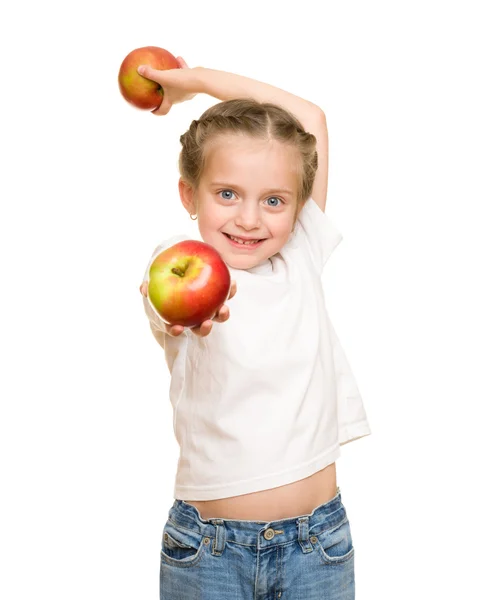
x,y
188,283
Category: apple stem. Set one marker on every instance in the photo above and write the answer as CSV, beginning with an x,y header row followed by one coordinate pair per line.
x,y
177,271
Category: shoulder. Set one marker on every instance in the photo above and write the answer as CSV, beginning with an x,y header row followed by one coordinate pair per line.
x,y
315,234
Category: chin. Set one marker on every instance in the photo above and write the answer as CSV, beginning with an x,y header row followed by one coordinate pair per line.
x,y
244,262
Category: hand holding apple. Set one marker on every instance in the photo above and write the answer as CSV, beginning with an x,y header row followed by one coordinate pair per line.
x,y
223,314
142,91
188,284
138,90
178,84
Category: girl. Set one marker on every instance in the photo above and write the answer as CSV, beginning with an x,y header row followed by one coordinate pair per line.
x,y
262,401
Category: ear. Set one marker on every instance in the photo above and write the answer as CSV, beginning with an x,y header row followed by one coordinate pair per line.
x,y
187,196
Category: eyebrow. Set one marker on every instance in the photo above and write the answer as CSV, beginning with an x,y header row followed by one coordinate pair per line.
x,y
266,191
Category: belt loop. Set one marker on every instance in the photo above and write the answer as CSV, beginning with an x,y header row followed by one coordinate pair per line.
x,y
303,525
220,539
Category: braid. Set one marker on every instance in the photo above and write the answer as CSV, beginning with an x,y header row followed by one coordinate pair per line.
x,y
250,117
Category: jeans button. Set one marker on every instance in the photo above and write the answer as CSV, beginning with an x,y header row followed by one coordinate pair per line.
x,y
269,534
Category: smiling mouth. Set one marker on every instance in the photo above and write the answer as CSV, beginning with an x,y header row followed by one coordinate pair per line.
x,y
243,242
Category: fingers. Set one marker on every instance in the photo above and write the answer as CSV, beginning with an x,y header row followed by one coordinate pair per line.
x,y
153,74
163,109
222,315
160,77
201,330
232,290
204,329
174,330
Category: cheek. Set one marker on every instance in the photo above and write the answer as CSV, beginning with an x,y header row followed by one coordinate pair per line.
x,y
282,228
208,217
210,224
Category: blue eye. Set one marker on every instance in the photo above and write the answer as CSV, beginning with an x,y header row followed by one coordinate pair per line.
x,y
232,197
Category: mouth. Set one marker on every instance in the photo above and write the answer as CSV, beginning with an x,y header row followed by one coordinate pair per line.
x,y
245,243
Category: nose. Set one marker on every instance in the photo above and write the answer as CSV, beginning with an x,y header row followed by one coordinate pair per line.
x,y
248,216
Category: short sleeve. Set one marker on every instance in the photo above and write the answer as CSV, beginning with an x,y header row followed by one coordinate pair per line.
x,y
352,419
315,229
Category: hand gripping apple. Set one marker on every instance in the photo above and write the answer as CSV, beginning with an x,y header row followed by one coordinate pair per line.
x,y
188,283
222,315
138,90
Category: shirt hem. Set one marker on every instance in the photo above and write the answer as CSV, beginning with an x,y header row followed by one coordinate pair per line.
x,y
226,490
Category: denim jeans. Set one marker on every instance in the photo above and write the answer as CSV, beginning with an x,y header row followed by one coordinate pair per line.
x,y
309,557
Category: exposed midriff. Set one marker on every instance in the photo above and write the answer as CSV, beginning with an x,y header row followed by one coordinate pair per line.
x,y
291,500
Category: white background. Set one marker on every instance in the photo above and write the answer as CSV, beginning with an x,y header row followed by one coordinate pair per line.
x,y
89,188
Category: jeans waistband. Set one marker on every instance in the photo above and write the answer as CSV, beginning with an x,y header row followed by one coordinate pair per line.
x,y
261,534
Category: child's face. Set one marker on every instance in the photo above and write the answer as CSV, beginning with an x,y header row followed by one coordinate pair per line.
x,y
247,190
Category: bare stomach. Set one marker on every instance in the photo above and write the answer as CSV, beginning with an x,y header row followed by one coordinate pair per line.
x,y
291,500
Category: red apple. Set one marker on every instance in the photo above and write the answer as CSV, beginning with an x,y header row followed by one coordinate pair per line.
x,y
188,283
138,90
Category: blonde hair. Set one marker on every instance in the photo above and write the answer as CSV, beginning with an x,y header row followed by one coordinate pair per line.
x,y
260,120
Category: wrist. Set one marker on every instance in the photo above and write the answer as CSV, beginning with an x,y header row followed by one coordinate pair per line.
x,y
221,84
198,80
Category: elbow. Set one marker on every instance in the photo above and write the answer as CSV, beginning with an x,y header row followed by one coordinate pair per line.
x,y
319,115
315,120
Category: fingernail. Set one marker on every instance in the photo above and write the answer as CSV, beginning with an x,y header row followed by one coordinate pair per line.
x,y
141,69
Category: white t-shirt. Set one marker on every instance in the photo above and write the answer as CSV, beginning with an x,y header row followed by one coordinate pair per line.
x,y
268,397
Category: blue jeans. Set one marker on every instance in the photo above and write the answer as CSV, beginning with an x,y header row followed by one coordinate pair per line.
x,y
308,557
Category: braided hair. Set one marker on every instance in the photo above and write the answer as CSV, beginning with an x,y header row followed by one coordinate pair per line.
x,y
261,120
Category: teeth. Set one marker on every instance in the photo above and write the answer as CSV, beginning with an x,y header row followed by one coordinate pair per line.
x,y
242,242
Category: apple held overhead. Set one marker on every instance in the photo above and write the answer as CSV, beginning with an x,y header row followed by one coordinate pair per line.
x,y
138,90
188,283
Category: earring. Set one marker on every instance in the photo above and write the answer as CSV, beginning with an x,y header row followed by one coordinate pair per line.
x,y
194,218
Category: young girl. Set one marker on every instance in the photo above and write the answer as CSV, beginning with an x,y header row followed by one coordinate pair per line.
x,y
263,400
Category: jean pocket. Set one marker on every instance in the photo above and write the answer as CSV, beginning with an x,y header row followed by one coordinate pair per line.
x,y
182,547
335,544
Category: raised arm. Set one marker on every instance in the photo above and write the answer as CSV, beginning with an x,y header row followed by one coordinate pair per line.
x,y
222,85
